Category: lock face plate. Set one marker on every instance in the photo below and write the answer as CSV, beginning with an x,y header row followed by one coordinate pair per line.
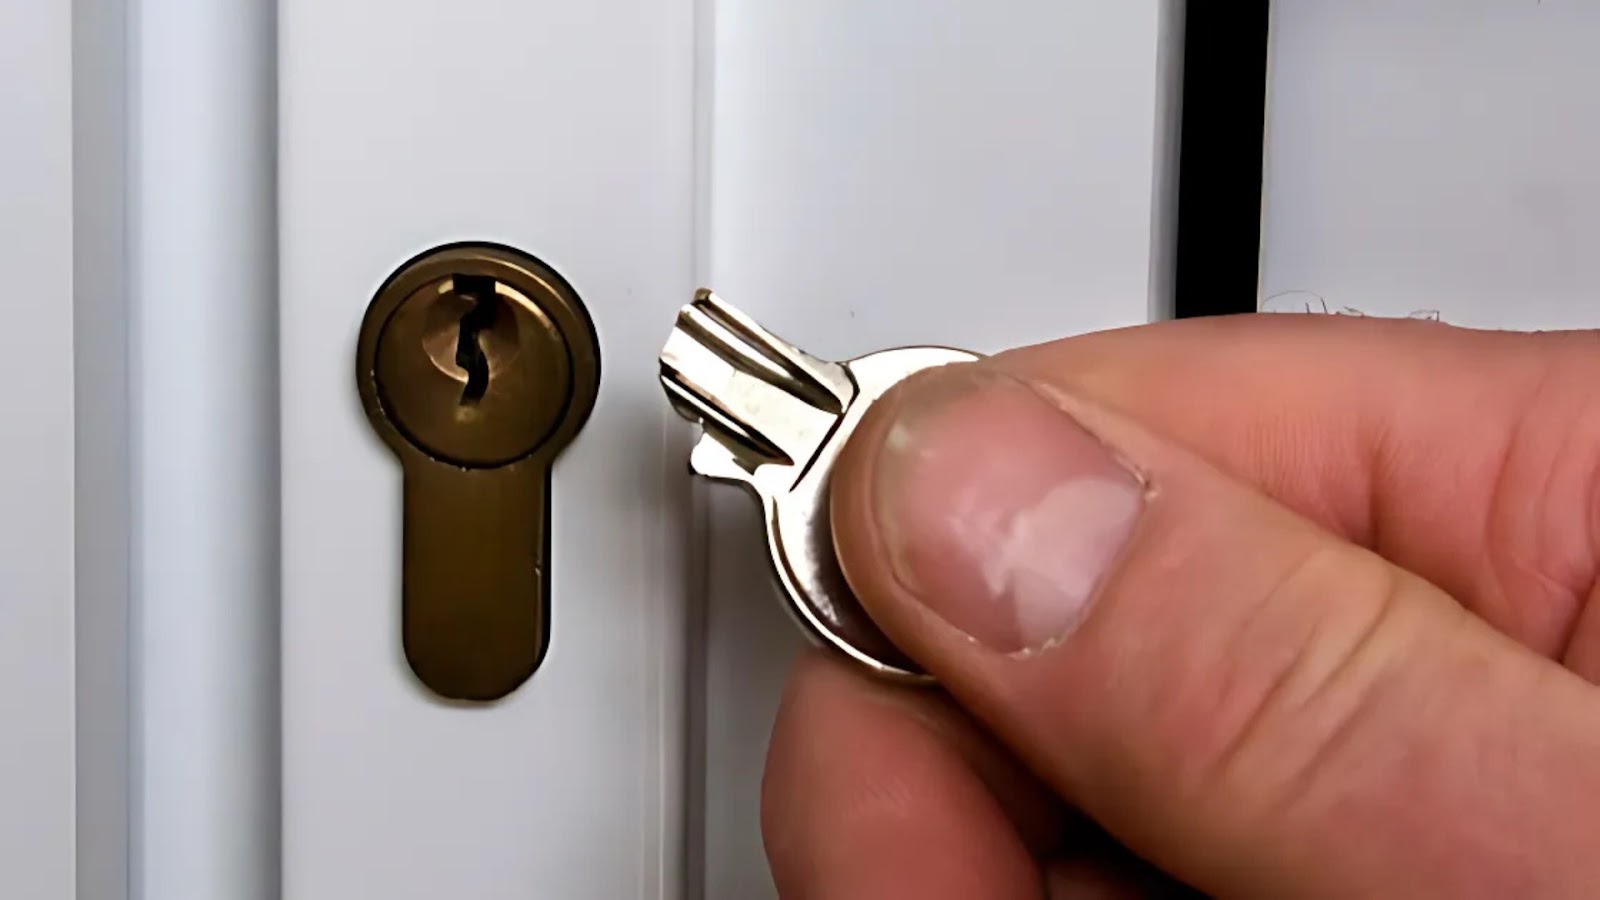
x,y
477,364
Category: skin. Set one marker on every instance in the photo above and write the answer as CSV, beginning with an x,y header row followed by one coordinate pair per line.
x,y
1350,649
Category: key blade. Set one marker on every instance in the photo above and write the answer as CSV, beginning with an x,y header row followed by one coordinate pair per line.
x,y
712,459
765,400
696,405
825,385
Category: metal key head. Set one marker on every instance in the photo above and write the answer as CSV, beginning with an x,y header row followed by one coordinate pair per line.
x,y
477,365
801,532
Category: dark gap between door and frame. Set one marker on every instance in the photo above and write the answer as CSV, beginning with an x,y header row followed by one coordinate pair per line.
x,y
1222,134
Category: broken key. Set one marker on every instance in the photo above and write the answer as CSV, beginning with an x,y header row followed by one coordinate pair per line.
x,y
775,419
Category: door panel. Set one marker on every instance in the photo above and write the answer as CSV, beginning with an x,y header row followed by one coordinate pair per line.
x,y
978,175
566,130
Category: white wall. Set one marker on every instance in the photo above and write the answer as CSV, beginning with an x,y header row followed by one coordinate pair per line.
x,y
1435,155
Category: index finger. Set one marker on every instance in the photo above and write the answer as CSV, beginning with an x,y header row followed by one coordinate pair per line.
x,y
1468,457
872,791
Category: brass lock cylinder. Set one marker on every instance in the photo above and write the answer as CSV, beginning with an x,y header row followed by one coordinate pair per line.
x,y
477,365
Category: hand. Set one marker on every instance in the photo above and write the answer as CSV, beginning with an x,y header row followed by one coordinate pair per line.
x,y
1289,606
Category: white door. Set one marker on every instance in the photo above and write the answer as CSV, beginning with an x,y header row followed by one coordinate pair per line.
x,y
200,533
853,175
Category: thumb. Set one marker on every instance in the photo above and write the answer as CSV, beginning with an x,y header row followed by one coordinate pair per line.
x,y
1246,701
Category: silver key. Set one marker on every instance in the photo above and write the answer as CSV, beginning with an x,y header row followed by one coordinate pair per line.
x,y
775,418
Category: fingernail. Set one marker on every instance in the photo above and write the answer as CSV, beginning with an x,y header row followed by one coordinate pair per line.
x,y
998,511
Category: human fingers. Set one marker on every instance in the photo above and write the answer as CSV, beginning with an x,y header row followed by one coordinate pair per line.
x,y
875,791
871,792
1094,878
1240,696
1469,457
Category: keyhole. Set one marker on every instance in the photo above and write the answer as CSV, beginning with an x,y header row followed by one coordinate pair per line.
x,y
470,356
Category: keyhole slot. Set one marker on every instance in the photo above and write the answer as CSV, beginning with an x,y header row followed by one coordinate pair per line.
x,y
475,322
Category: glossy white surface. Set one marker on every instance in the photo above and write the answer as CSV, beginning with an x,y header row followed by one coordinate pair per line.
x,y
565,129
37,745
980,175
1438,155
